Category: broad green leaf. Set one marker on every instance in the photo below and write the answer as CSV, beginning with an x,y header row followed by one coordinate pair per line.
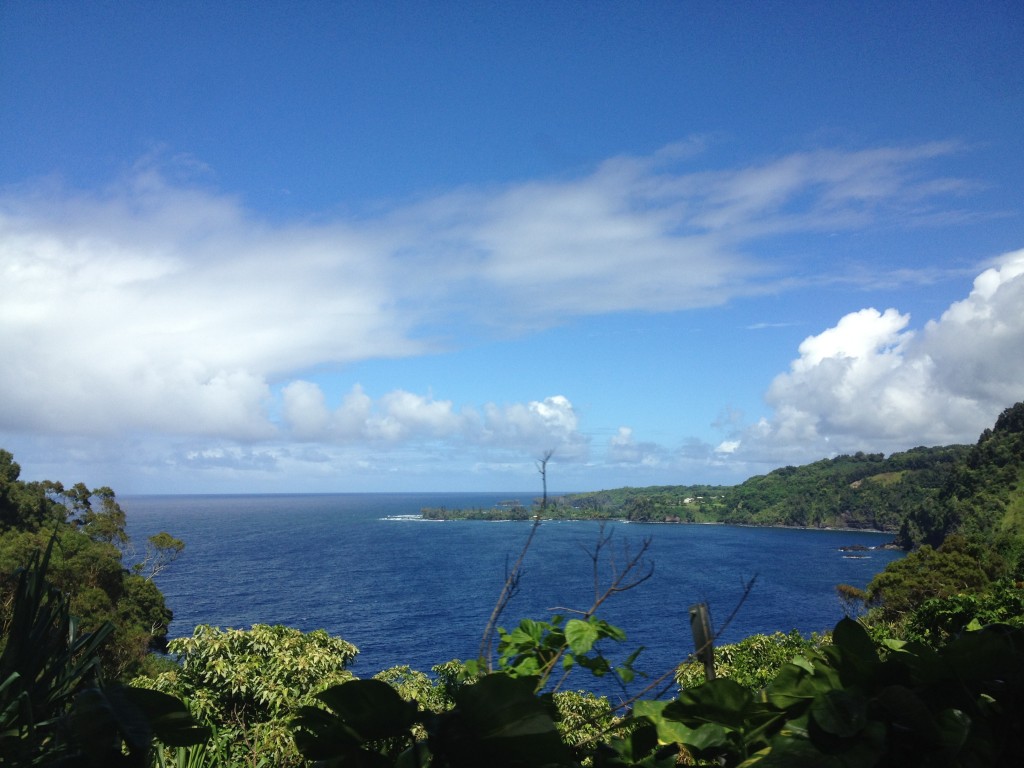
x,y
795,685
719,701
906,710
598,665
322,735
170,719
609,631
581,635
501,705
842,713
526,667
955,727
852,638
649,708
756,758
640,749
500,722
626,672
803,663
986,654
788,752
708,736
669,731
371,708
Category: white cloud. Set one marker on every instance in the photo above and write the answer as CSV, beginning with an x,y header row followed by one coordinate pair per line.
x,y
870,382
652,234
169,310
152,307
623,448
405,417
305,410
538,426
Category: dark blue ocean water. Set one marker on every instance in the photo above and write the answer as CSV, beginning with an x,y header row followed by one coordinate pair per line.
x,y
413,592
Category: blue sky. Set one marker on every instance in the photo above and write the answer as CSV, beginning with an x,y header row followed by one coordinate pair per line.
x,y
315,246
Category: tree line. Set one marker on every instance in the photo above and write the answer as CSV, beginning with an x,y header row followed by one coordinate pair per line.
x,y
867,491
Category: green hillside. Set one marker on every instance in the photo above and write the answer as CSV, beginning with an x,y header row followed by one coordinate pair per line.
x,y
922,495
867,491
983,495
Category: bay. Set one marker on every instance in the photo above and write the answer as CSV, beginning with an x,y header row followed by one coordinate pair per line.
x,y
408,591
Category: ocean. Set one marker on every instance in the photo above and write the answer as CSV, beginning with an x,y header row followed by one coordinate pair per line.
x,y
414,592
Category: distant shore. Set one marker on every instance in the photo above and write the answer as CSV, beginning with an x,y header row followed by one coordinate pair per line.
x,y
491,516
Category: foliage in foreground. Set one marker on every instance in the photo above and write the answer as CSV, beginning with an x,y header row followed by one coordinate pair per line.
x,y
844,704
54,705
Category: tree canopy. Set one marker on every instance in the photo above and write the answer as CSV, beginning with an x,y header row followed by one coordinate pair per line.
x,y
92,562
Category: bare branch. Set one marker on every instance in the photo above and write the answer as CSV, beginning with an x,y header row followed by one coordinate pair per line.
x,y
542,467
748,587
511,585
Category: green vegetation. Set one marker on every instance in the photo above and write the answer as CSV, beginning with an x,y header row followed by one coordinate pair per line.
x,y
969,557
863,491
982,495
55,706
249,683
93,562
846,703
752,662
501,512
931,674
851,703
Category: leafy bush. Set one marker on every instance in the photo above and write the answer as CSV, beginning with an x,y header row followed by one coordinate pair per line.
x,y
581,718
752,662
846,705
924,574
248,683
939,619
497,721
840,704
549,650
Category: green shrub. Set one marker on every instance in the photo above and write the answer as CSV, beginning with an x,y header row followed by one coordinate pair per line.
x,y
248,683
752,662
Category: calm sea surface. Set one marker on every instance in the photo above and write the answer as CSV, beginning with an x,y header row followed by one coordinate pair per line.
x,y
407,591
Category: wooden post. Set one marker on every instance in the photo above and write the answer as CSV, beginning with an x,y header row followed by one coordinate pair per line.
x,y
703,639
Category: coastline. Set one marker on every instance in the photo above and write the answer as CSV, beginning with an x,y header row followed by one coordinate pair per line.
x,y
455,519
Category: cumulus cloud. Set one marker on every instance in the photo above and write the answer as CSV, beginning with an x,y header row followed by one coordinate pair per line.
x,y
168,307
403,417
553,419
623,448
154,308
872,382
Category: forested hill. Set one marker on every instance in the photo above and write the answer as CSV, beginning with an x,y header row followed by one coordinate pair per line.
x,y
859,491
983,496
922,494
